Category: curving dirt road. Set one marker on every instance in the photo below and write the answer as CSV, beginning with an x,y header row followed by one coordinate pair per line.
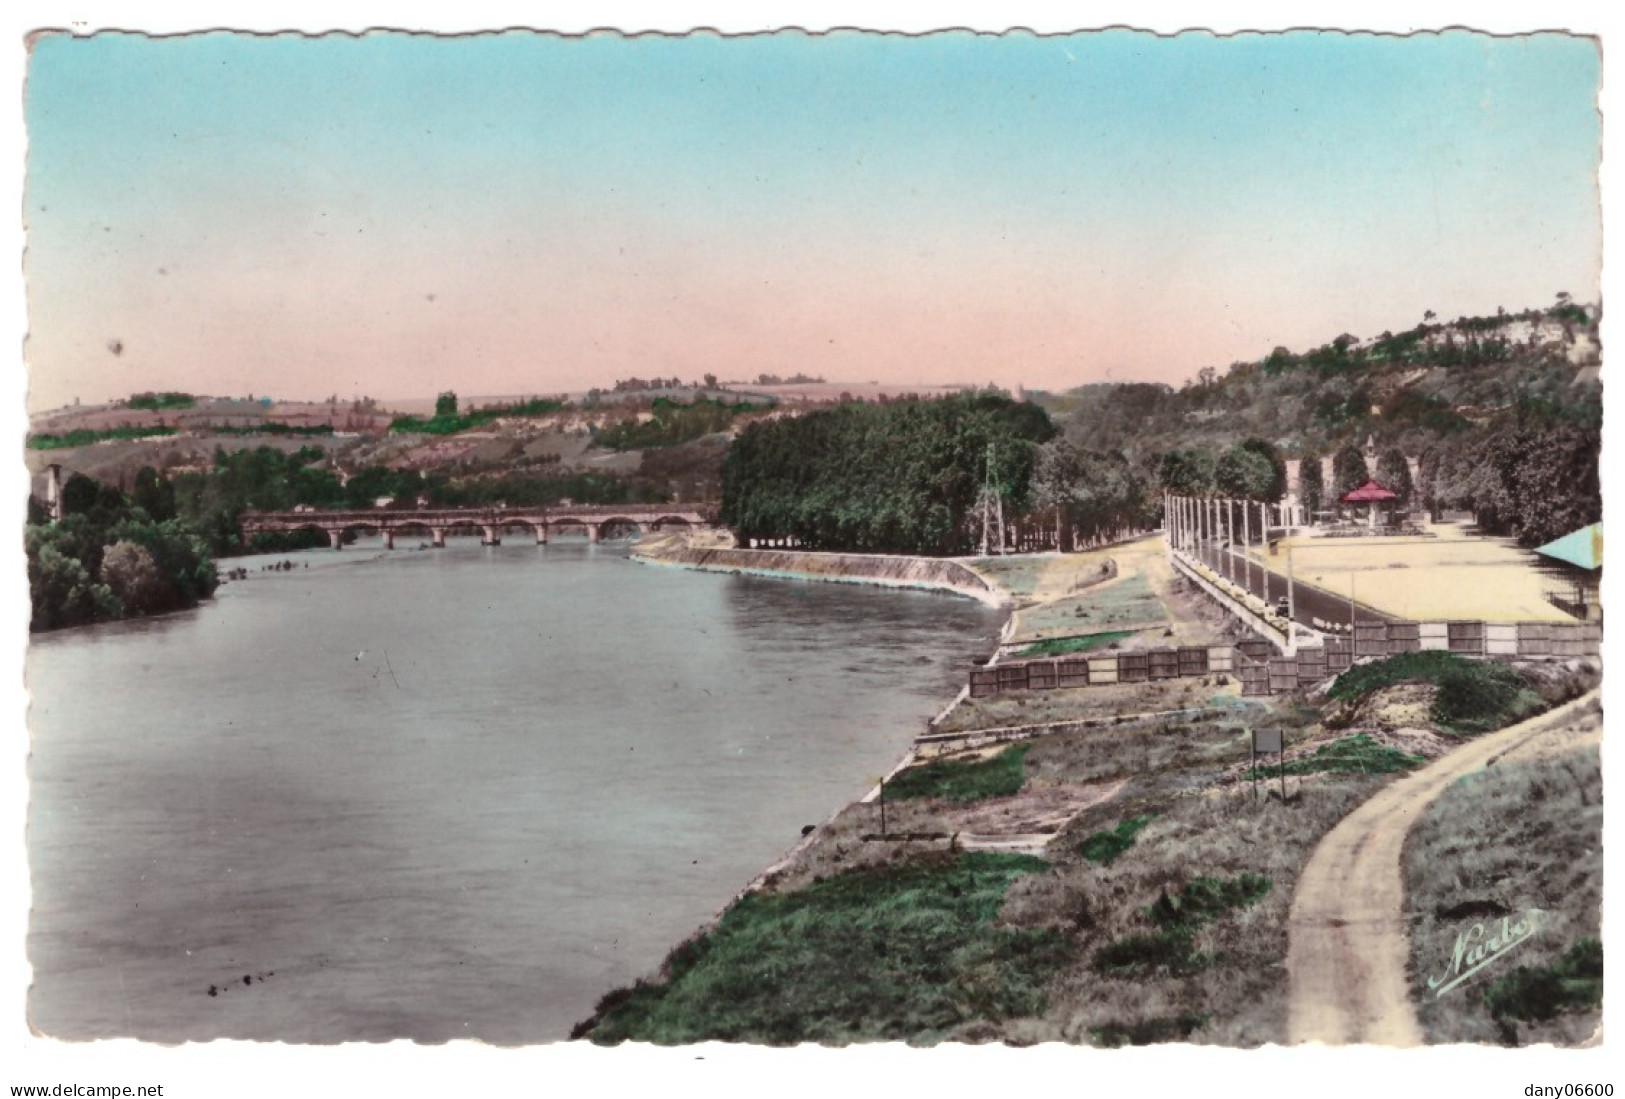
x,y
1347,939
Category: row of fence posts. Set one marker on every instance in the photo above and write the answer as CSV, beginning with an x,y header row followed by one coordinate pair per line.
x,y
1193,525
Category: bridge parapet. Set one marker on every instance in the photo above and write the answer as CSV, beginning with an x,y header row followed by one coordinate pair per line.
x,y
490,521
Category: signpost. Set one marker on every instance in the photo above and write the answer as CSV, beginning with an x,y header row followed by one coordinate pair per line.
x,y
1265,741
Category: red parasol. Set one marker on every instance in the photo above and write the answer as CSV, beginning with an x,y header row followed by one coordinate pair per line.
x,y
1368,493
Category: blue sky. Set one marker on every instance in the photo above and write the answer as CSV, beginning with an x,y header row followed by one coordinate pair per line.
x,y
390,214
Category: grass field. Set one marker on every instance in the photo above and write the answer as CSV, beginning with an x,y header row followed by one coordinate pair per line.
x,y
1453,575
1523,835
1125,602
906,953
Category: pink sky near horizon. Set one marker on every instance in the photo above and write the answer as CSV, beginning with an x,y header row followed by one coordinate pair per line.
x,y
320,220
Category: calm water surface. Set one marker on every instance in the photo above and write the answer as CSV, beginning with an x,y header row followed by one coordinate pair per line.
x,y
442,794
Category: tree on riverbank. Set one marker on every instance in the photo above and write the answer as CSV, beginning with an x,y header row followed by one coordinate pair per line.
x,y
109,559
898,477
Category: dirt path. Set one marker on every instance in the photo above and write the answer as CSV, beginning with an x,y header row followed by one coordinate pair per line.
x,y
1347,939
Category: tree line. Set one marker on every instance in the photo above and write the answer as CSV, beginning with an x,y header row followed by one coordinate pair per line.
x,y
111,558
898,477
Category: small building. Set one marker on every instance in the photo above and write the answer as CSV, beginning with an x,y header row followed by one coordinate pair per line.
x,y
1575,565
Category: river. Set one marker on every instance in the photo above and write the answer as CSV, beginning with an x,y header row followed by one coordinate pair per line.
x,y
442,794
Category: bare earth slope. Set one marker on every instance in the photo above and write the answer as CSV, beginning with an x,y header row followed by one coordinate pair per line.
x,y
1347,929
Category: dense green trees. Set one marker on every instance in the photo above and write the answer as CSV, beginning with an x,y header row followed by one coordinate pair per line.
x,y
1311,483
1090,493
1251,470
1534,481
1349,471
1394,474
109,558
673,422
900,477
1188,472
262,479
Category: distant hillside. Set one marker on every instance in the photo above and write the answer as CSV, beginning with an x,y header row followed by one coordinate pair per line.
x,y
1409,389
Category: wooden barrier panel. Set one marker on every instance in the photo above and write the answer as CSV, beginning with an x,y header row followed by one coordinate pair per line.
x,y
1041,675
1339,654
1255,678
1283,674
1221,660
1072,673
1162,664
1466,637
1311,666
1192,660
984,682
1534,639
1133,667
1102,670
1404,637
1370,639
1568,640
1256,650
1434,635
1012,677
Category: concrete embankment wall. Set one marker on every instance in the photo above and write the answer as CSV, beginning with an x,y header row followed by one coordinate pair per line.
x,y
928,573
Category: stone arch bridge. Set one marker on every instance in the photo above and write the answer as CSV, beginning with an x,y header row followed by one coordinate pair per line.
x,y
489,523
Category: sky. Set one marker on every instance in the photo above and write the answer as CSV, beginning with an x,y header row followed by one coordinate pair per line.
x,y
392,215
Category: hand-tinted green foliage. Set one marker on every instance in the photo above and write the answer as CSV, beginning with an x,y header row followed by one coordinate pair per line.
x,y
897,477
1311,483
1483,697
1537,480
447,421
1188,472
1177,917
1349,470
1394,474
1096,492
1418,667
674,422
84,437
1204,900
1535,993
109,558
262,479
369,484
272,427
1474,696
1515,432
963,781
1246,473
1141,955
903,952
1104,847
160,401
153,494
1060,646
520,490
1352,755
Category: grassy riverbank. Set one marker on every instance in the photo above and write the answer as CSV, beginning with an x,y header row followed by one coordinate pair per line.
x,y
1116,884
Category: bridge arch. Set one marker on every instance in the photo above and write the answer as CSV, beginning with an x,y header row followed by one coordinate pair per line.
x,y
619,526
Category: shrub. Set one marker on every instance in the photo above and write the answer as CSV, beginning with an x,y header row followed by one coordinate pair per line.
x,y
1142,955
1535,994
1104,847
1206,899
963,781
1477,698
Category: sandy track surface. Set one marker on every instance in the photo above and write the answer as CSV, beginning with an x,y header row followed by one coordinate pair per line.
x,y
1347,933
